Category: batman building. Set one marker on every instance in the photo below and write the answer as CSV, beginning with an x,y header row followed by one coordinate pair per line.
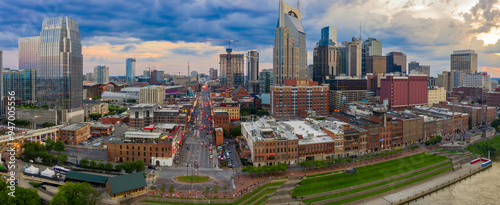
x,y
289,53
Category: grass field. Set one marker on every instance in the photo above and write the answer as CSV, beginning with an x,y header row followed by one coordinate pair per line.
x,y
375,185
269,191
365,174
236,203
389,188
193,178
262,201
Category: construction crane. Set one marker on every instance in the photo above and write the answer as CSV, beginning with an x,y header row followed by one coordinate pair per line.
x,y
228,50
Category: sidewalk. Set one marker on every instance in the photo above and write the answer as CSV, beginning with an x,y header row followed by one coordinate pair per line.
x,y
417,189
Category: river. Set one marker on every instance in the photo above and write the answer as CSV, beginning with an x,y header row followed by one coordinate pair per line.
x,y
481,188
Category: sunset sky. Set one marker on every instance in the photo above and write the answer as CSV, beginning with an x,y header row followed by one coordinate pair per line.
x,y
165,35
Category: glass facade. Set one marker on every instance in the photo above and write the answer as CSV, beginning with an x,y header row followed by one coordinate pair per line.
x,y
101,74
29,48
60,64
130,71
23,82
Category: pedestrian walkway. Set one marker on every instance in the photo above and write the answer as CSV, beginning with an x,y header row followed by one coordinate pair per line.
x,y
429,184
282,195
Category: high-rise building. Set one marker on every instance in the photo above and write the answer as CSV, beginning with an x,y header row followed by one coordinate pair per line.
x,y
396,62
289,53
342,59
346,89
310,71
326,56
29,48
146,73
371,47
413,65
130,78
213,74
464,60
450,79
375,64
60,65
477,80
253,65
194,76
88,77
22,82
266,80
152,94
296,95
353,57
157,77
400,91
233,75
101,74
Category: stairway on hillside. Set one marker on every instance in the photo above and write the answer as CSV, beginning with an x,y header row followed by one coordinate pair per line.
x,y
282,195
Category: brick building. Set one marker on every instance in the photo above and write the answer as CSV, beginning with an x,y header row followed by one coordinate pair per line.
x,y
219,136
142,115
469,94
113,119
295,95
221,119
402,92
74,134
493,98
155,148
95,106
478,114
100,129
232,108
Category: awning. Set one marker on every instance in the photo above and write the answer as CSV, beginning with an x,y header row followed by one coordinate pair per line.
x,y
261,155
271,155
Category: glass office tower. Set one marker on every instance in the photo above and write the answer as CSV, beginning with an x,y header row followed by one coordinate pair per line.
x,y
60,64
130,71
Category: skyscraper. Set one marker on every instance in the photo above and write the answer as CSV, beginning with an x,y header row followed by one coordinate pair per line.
x,y
60,64
396,62
213,74
413,66
130,78
464,60
289,53
253,72
371,47
266,80
29,48
326,55
22,82
101,74
233,75
353,57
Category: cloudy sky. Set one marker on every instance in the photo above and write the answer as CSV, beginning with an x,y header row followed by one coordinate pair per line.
x,y
166,34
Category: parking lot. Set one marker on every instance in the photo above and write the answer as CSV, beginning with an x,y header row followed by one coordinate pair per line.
x,y
95,141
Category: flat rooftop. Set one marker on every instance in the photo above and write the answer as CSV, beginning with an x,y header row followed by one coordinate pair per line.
x,y
144,135
74,127
143,105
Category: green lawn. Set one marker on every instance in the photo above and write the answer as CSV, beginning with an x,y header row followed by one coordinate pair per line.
x,y
365,174
389,188
317,175
375,185
193,178
237,203
269,191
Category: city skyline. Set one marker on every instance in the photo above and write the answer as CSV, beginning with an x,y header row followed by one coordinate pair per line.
x,y
165,37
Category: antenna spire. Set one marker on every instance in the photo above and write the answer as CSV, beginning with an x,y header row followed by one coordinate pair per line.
x,y
298,5
360,30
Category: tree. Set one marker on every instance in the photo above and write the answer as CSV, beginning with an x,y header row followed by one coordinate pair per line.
x,y
93,164
48,124
100,166
163,186
261,113
45,106
216,189
47,158
495,123
108,166
207,190
49,144
61,158
236,131
76,194
22,195
138,165
171,189
95,116
128,166
224,187
59,146
119,167
84,163
225,132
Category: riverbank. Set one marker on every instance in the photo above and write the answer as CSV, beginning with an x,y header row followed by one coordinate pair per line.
x,y
408,194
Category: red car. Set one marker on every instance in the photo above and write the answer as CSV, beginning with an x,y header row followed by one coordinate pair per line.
x,y
205,145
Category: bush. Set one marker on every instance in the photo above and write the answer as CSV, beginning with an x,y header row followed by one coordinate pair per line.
x,y
35,184
437,139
